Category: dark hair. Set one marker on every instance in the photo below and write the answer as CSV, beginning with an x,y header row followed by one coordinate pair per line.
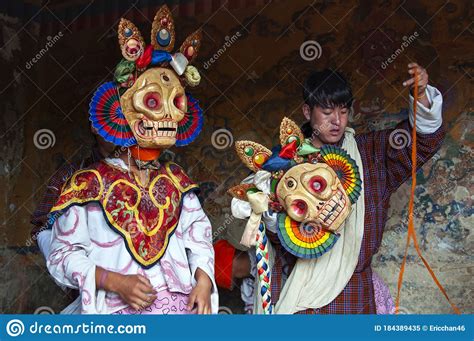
x,y
307,130
327,89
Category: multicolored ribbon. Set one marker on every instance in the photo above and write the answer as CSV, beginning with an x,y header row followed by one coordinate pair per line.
x,y
264,269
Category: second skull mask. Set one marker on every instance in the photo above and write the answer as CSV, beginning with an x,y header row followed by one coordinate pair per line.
x,y
313,194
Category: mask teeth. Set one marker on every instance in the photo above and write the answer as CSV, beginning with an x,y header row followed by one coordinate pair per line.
x,y
332,209
157,128
147,124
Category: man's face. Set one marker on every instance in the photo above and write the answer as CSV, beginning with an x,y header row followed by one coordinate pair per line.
x,y
327,123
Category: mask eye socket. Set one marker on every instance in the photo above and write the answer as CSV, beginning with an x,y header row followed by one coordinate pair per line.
x,y
317,184
290,183
152,101
180,102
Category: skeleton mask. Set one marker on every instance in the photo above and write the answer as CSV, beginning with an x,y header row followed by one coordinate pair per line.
x,y
145,105
154,106
312,189
313,193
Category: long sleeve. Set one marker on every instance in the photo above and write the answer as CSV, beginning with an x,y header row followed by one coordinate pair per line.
x,y
391,148
429,120
68,261
197,237
271,221
44,242
39,217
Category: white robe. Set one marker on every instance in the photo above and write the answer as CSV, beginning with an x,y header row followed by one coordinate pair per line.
x,y
82,240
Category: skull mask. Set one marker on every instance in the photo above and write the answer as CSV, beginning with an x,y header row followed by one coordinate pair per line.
x,y
313,193
154,106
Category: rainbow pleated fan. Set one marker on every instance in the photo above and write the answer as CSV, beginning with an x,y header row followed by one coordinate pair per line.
x,y
346,169
107,117
190,126
303,240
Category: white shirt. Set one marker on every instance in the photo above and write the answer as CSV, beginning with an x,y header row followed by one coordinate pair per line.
x,y
81,240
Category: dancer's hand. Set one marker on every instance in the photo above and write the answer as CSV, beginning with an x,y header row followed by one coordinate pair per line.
x,y
201,293
136,290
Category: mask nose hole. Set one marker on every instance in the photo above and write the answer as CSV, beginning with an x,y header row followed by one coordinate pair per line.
x,y
299,207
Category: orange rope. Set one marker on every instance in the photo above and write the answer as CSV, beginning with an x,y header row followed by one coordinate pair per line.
x,y
411,228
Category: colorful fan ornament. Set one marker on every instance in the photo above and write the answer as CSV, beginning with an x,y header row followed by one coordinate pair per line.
x,y
191,125
304,240
107,117
345,168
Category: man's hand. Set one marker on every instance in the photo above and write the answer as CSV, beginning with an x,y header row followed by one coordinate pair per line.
x,y
201,293
136,290
422,82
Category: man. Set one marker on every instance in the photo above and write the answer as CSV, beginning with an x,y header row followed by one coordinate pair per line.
x,y
386,165
341,281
